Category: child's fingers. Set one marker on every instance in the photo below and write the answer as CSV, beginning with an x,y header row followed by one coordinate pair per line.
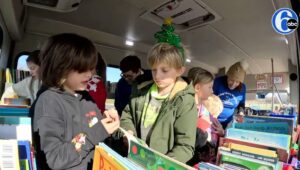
x,y
113,114
115,124
111,126
106,120
106,113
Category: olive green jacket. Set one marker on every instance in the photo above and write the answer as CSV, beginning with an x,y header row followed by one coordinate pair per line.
x,y
174,131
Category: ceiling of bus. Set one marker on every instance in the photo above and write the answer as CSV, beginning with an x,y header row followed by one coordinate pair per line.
x,y
244,32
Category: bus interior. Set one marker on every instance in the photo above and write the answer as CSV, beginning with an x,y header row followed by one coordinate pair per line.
x,y
217,33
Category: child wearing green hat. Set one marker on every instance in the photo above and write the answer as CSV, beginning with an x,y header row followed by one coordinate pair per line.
x,y
163,111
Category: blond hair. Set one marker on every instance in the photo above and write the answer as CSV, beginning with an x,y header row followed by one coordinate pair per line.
x,y
199,75
167,54
237,71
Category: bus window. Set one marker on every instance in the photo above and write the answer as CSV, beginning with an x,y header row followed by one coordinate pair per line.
x,y
22,65
112,77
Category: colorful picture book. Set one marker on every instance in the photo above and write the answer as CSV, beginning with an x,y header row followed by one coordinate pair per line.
x,y
9,157
233,161
105,158
269,127
281,153
25,155
275,140
140,157
265,119
130,137
151,159
13,127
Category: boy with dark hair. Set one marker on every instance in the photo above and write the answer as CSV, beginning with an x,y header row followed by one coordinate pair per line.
x,y
132,75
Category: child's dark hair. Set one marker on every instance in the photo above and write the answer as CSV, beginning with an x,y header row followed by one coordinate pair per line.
x,y
63,53
130,62
34,57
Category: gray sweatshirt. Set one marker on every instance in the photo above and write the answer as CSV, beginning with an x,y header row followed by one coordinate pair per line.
x,y
59,117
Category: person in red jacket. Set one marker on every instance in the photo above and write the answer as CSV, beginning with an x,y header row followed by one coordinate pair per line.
x,y
96,85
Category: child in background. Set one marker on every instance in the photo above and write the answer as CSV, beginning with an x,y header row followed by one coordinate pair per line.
x,y
66,125
208,108
28,87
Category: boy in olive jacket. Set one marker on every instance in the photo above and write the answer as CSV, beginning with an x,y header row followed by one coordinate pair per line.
x,y
162,112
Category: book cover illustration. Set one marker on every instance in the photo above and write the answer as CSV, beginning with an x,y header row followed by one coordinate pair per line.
x,y
276,140
25,154
282,154
12,127
278,127
244,162
151,159
105,158
264,119
9,157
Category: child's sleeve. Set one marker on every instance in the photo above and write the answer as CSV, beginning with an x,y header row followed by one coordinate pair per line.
x,y
22,88
185,130
50,126
127,120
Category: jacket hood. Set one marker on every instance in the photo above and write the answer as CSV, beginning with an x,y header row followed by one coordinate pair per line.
x,y
180,88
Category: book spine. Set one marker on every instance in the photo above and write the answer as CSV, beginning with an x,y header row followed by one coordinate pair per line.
x,y
255,156
276,140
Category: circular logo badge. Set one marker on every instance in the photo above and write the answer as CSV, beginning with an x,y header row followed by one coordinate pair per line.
x,y
285,21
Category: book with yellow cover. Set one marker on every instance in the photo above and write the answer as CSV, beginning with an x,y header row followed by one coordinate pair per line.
x,y
103,161
105,158
254,150
283,154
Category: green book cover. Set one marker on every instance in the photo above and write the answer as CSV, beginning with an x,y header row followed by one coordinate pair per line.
x,y
245,163
153,160
24,164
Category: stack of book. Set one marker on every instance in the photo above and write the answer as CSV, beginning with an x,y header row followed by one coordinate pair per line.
x,y
256,143
14,110
16,152
140,157
16,155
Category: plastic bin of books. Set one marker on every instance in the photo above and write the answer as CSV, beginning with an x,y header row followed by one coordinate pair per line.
x,y
259,142
15,138
140,157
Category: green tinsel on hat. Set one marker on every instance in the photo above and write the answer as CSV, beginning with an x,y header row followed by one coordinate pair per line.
x,y
167,35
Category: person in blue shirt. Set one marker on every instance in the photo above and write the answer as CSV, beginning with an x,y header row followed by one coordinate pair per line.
x,y
232,91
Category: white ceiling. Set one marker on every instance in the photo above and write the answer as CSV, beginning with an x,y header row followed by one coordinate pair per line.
x,y
244,32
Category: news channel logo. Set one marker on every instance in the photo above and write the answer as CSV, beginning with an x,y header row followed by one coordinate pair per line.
x,y
285,21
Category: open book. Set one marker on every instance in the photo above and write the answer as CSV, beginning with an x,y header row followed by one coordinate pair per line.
x,y
130,137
